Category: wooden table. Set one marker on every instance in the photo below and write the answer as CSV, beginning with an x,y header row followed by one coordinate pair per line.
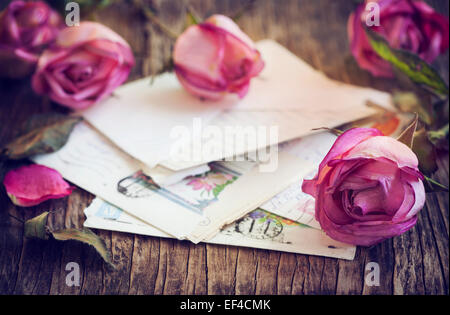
x,y
315,30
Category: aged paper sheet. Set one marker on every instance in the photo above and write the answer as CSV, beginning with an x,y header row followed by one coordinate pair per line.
x,y
289,95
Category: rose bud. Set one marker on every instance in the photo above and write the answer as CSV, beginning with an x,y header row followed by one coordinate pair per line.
x,y
84,67
409,25
214,58
30,185
26,28
368,188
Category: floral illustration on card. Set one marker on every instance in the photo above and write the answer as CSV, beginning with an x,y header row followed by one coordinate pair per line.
x,y
194,193
212,183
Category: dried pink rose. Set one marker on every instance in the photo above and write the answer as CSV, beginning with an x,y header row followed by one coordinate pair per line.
x,y
26,28
215,58
84,67
405,24
368,188
30,185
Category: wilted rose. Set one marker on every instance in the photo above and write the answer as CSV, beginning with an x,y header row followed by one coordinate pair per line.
x,y
26,28
30,185
215,58
84,66
409,25
368,188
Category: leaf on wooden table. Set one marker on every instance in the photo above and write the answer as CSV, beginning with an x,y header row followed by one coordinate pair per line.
x,y
407,136
37,227
410,64
41,120
86,236
43,139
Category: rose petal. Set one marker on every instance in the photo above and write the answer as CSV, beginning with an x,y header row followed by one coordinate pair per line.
x,y
30,185
85,32
387,148
224,22
347,141
414,199
201,91
203,58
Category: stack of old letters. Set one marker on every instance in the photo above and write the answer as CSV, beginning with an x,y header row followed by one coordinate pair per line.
x,y
163,163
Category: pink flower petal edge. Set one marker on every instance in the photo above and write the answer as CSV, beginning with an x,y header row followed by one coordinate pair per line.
x,y
31,185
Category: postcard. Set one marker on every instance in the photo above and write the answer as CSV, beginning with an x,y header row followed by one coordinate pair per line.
x,y
143,118
258,229
200,204
90,162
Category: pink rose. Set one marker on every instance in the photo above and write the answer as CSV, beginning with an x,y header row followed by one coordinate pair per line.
x,y
84,67
30,185
368,188
215,58
26,28
405,24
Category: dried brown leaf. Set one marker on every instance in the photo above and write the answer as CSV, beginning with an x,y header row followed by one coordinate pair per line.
x,y
42,139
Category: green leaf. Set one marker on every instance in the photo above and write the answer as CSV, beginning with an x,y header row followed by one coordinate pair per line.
x,y
413,66
37,227
407,136
86,236
43,139
434,186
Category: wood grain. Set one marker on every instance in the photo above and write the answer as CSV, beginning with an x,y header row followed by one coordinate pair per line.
x,y
414,263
